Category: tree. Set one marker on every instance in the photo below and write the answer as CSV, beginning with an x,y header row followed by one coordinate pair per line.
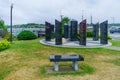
x,y
3,28
65,20
2,25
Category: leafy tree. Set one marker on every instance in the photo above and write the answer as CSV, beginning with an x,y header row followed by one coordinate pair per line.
x,y
65,20
3,29
2,25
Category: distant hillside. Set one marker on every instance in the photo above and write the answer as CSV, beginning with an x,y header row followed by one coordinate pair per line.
x,y
116,24
109,25
29,25
34,25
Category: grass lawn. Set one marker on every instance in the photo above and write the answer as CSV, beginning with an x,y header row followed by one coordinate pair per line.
x,y
115,42
26,60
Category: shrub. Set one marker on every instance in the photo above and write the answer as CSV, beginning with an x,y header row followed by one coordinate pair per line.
x,y
7,36
89,33
26,35
108,37
2,33
4,44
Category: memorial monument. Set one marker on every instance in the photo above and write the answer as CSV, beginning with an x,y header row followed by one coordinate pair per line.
x,y
96,32
47,31
58,33
52,31
104,32
73,30
82,30
66,31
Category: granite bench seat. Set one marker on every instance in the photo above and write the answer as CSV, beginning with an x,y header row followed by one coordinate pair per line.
x,y
61,58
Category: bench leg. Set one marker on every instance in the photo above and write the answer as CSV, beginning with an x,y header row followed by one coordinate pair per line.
x,y
56,68
75,65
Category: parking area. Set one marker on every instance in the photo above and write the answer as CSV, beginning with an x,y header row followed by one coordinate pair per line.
x,y
115,36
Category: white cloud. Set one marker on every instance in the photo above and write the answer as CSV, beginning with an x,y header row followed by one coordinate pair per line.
x,y
39,11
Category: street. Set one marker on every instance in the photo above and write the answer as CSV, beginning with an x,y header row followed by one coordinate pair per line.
x,y
115,36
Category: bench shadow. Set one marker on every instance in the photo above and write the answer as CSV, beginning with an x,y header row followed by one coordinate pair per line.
x,y
63,69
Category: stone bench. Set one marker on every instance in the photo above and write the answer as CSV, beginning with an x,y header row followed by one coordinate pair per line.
x,y
59,58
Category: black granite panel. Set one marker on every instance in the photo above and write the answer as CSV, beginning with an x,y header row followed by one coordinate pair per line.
x,y
104,32
58,33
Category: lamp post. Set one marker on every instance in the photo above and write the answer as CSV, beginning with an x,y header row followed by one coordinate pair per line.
x,y
11,7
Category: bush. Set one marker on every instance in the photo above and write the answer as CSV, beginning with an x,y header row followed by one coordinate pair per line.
x,y
109,37
2,33
89,33
8,36
26,35
4,44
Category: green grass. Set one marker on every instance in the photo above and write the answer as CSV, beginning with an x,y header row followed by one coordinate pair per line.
x,y
7,70
28,59
115,62
115,42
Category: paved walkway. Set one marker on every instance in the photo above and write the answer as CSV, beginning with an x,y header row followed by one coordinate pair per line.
x,y
115,36
75,44
113,48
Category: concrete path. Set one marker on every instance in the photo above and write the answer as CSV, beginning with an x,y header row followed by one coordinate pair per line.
x,y
75,44
115,36
113,48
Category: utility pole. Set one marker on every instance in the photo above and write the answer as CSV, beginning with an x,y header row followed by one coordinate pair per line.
x,y
11,8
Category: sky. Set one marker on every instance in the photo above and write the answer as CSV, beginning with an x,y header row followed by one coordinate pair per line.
x,y
39,11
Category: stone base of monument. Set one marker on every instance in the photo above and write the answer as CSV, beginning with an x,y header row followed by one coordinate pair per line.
x,y
75,44
52,40
62,69
64,40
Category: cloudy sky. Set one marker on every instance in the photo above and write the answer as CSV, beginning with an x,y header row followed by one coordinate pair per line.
x,y
39,11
